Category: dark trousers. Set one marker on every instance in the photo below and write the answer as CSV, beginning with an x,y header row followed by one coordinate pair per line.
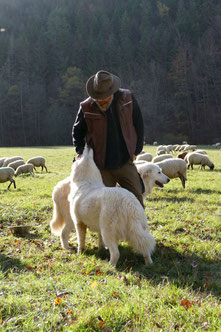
x,y
126,176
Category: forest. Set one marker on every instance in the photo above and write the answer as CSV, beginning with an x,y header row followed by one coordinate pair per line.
x,y
167,52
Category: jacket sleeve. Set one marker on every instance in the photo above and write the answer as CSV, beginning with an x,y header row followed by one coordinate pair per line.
x,y
138,125
79,131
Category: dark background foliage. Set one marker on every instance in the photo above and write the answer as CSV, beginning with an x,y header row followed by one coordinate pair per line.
x,y
167,52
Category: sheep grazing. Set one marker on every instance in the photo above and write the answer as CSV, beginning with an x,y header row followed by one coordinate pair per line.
x,y
16,164
161,157
183,147
6,174
38,162
174,168
160,152
182,155
2,161
170,147
201,151
190,148
217,145
162,149
26,168
177,148
194,158
145,156
10,160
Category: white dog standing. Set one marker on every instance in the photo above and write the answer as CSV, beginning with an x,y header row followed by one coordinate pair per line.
x,y
62,223
114,213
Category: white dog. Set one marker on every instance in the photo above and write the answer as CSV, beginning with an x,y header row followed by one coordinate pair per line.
x,y
62,223
151,175
114,213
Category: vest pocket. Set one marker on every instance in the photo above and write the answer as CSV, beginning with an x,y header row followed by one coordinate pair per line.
x,y
92,116
94,123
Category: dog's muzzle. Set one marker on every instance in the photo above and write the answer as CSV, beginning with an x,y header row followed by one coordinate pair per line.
x,y
159,184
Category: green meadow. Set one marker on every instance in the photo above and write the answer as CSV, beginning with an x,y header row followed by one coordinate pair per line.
x,y
46,288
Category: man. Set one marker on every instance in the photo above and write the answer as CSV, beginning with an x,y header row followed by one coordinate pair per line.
x,y
111,123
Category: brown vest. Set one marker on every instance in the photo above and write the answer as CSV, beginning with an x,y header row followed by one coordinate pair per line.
x,y
97,126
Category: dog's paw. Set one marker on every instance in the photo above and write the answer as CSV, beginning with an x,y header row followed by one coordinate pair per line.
x,y
148,260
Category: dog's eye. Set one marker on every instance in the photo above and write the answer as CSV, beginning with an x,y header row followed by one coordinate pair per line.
x,y
159,172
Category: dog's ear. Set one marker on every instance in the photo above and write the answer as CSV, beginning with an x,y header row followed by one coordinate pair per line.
x,y
144,173
147,174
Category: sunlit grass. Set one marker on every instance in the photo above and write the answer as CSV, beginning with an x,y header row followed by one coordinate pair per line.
x,y
45,288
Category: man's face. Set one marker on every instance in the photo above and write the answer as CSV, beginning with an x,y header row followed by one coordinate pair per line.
x,y
103,104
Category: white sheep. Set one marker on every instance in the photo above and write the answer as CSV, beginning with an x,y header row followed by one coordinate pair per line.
x,y
177,148
170,147
10,160
6,174
26,168
174,168
201,151
194,158
38,162
174,147
186,147
161,149
190,148
162,157
2,161
160,152
144,156
16,163
183,147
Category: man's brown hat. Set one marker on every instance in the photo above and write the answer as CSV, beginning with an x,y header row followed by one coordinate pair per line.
x,y
102,85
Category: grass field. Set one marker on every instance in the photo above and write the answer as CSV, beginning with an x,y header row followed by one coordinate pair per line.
x,y
45,288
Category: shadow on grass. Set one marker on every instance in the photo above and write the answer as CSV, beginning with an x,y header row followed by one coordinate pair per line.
x,y
171,199
7,264
30,236
216,170
204,191
188,190
181,269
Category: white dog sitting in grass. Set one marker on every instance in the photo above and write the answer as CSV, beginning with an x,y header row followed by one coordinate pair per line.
x,y
114,213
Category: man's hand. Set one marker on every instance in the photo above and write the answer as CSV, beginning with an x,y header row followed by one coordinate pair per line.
x,y
134,157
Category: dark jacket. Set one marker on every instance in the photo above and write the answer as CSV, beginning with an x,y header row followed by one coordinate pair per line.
x,y
115,134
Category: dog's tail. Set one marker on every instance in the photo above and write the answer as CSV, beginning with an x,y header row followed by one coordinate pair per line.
x,y
142,242
61,212
57,222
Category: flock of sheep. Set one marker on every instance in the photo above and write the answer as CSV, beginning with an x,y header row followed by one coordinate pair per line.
x,y
14,166
173,167
188,156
